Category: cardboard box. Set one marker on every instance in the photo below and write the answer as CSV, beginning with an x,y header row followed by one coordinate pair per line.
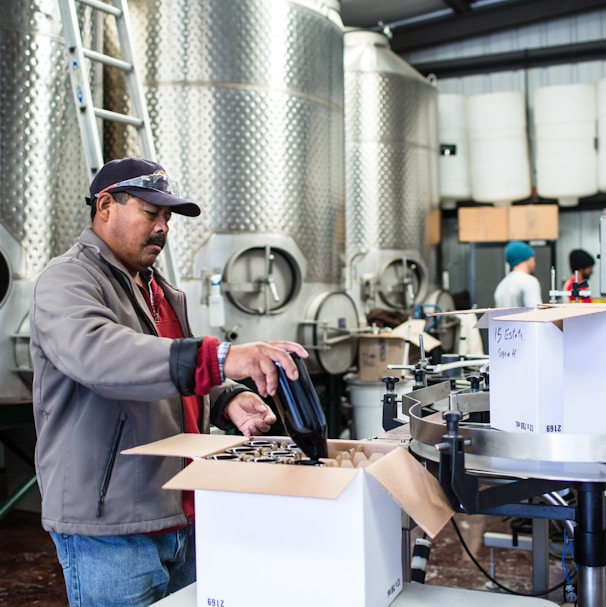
x,y
544,374
526,375
515,222
483,224
533,222
268,534
376,351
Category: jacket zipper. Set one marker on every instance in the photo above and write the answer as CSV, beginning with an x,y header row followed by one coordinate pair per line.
x,y
138,311
109,464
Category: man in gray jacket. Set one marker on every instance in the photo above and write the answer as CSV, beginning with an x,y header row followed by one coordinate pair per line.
x,y
115,366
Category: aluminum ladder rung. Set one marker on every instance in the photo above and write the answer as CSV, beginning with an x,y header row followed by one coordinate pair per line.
x,y
102,6
117,117
125,66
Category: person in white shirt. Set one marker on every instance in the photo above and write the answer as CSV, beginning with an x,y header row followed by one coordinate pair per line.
x,y
520,288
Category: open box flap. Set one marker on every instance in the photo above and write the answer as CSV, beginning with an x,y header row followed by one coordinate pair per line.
x,y
273,479
416,490
188,445
410,331
483,314
542,313
555,313
491,313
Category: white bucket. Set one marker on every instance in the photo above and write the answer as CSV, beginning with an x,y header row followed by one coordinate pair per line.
x,y
565,130
454,149
366,399
498,147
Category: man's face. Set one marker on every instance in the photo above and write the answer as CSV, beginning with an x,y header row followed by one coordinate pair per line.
x,y
136,232
585,273
532,265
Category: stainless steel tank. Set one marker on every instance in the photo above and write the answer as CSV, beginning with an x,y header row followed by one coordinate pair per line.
x,y
392,195
246,102
42,173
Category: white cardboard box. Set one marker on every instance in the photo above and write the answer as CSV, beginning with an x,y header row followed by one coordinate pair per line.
x,y
301,535
546,373
310,551
526,375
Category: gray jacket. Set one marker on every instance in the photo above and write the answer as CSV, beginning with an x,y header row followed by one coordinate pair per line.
x,y
103,382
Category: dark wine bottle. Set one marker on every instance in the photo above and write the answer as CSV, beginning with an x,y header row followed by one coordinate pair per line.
x,y
301,412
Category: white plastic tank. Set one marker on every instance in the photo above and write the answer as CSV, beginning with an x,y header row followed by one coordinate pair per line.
x,y
498,147
455,183
565,130
601,110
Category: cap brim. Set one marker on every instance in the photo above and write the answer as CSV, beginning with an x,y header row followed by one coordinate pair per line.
x,y
164,199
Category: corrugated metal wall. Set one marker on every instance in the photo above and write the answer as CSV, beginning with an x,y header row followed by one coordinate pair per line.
x,y
578,227
588,27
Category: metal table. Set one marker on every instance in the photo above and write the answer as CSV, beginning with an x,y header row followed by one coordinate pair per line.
x,y
412,595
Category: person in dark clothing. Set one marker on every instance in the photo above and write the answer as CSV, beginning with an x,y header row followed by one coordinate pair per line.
x,y
581,266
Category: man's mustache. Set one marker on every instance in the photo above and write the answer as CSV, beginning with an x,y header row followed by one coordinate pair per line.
x,y
157,240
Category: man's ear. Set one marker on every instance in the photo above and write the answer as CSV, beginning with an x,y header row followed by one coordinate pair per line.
x,y
104,202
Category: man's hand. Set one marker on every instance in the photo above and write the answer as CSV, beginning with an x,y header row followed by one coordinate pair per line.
x,y
250,414
256,360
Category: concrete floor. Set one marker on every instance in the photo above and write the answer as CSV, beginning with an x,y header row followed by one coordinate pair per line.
x,y
29,571
449,564
30,574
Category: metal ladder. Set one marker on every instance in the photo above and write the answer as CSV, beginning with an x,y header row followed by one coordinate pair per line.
x,y
88,114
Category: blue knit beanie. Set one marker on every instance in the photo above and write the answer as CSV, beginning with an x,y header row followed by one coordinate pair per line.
x,y
516,252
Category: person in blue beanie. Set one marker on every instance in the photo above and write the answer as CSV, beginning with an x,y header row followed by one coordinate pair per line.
x,y
520,288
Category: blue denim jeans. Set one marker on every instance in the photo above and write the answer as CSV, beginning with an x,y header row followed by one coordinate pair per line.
x,y
125,570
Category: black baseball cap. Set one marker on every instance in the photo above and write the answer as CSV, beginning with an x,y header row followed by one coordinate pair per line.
x,y
144,179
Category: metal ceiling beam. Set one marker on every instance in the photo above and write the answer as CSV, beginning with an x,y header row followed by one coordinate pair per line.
x,y
484,20
515,60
